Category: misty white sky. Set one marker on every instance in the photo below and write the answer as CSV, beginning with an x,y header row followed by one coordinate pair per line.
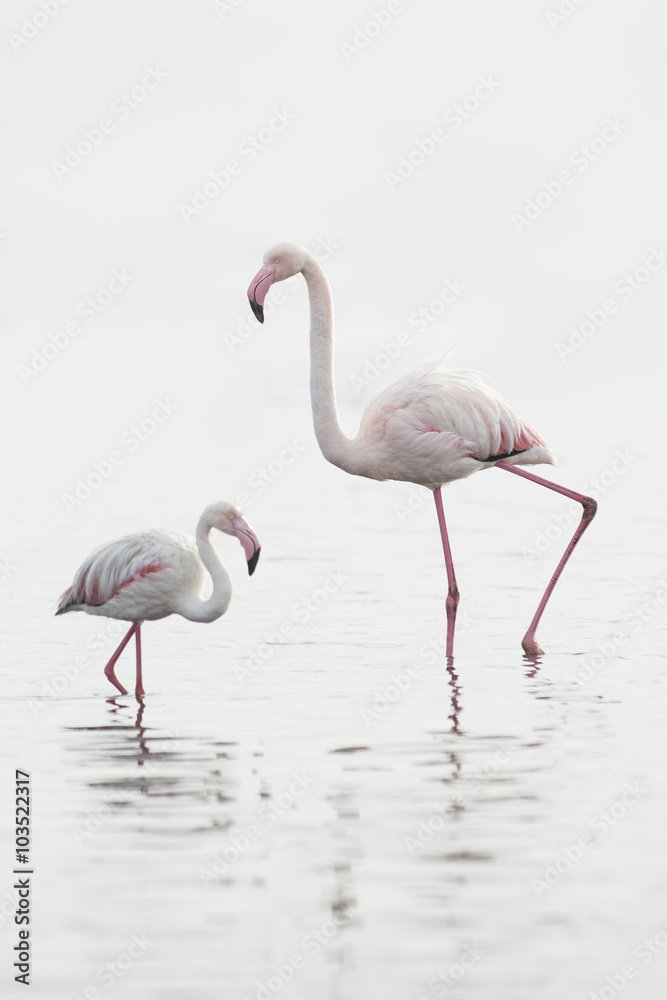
x,y
487,179
224,73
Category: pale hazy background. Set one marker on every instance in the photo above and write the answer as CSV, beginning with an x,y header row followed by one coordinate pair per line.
x,y
224,71
353,113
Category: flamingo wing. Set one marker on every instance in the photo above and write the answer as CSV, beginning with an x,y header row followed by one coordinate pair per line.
x,y
115,566
445,423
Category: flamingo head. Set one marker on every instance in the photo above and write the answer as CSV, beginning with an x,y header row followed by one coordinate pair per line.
x,y
280,262
227,517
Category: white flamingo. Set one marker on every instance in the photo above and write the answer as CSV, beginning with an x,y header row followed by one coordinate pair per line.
x,y
428,427
152,574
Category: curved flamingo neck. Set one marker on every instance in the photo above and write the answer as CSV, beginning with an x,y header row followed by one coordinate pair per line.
x,y
334,445
196,609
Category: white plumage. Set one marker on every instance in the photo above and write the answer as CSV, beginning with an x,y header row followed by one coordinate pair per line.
x,y
141,577
431,427
154,573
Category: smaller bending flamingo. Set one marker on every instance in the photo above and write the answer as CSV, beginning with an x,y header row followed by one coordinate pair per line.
x,y
153,574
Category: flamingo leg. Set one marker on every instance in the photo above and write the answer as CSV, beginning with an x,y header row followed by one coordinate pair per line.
x,y
139,688
452,602
109,669
589,505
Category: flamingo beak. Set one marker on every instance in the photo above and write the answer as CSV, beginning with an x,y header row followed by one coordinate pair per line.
x,y
259,286
249,541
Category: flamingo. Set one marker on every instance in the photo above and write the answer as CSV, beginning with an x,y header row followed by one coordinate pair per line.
x,y
154,573
429,427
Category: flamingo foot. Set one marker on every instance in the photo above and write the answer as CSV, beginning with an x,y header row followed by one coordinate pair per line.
x,y
109,673
530,646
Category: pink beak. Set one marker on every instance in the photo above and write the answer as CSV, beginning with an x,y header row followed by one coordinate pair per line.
x,y
249,541
259,286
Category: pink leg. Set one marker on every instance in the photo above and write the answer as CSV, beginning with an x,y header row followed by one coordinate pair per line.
x,y
108,670
139,689
452,602
529,642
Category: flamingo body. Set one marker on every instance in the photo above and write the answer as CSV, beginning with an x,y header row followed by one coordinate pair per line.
x,y
152,574
141,577
432,427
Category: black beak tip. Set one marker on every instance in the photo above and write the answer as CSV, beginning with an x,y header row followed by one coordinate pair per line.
x,y
258,311
252,562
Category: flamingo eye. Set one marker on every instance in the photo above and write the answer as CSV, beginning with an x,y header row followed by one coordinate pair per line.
x,y
277,260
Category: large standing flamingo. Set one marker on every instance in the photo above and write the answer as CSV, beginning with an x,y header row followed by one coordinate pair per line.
x,y
152,574
428,427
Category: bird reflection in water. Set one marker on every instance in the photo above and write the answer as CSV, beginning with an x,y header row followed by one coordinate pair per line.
x,y
151,749
455,696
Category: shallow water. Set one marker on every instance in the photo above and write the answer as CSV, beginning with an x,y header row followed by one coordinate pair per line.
x,y
310,803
